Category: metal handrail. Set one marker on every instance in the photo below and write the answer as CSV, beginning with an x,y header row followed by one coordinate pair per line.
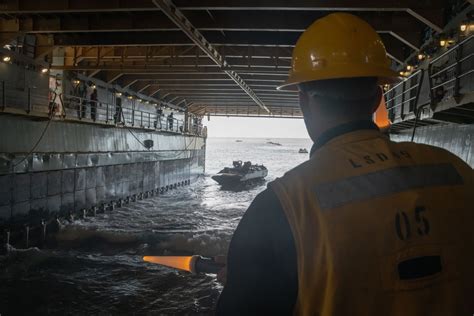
x,y
401,103
432,76
135,116
404,91
452,65
453,79
106,113
404,80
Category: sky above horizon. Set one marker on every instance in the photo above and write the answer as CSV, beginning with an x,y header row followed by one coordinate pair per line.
x,y
251,127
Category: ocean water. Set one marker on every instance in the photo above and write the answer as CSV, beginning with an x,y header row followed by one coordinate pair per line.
x,y
96,268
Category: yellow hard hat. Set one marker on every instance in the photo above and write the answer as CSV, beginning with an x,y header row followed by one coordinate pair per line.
x,y
340,45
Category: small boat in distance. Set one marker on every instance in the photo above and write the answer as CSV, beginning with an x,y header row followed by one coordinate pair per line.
x,y
273,143
303,151
238,140
240,173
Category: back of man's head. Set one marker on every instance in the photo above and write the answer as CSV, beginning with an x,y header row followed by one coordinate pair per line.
x,y
343,98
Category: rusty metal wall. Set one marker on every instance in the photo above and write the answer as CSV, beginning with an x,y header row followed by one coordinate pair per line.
x,y
458,139
79,166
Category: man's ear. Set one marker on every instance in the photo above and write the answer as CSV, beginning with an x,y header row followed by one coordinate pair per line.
x,y
378,99
304,102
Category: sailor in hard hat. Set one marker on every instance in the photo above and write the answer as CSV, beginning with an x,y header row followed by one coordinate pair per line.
x,y
366,226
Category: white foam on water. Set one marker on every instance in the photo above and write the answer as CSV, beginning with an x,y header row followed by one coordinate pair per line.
x,y
206,244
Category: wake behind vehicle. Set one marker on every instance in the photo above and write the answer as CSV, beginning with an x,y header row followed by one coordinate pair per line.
x,y
240,174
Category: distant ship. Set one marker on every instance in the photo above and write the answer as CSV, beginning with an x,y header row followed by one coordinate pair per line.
x,y
238,140
273,143
303,151
240,173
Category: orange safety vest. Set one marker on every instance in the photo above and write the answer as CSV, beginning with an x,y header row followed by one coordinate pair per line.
x,y
381,228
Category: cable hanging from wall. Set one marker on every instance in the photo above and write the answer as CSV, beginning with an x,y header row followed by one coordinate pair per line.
x,y
50,119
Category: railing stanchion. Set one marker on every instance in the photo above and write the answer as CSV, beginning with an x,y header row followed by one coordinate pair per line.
x,y
4,100
28,109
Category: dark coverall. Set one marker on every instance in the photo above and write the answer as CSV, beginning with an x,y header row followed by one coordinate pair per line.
x,y
262,277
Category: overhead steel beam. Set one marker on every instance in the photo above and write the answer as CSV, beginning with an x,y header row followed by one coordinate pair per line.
x,y
22,7
201,86
217,90
185,25
199,76
411,7
178,70
167,52
152,93
395,59
298,5
220,97
239,102
235,39
77,6
179,62
275,21
404,39
180,77
426,21
245,110
113,76
140,87
93,73
209,92
129,83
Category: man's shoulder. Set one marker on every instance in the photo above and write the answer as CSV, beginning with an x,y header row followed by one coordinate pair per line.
x,y
263,218
266,199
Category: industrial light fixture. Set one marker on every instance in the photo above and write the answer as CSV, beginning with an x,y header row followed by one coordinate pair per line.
x,y
421,56
6,59
442,42
119,94
402,73
44,70
467,25
76,81
94,86
409,67
130,97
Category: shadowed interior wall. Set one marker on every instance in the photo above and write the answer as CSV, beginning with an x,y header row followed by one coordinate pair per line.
x,y
78,166
458,139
